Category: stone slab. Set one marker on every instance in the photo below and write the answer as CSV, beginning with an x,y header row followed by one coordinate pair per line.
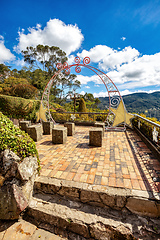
x,y
59,135
95,137
35,132
24,124
70,128
47,128
101,125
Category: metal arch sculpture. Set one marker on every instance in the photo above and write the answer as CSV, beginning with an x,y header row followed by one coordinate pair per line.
x,y
114,95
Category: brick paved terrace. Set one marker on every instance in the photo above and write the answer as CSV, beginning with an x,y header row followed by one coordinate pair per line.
x,y
123,161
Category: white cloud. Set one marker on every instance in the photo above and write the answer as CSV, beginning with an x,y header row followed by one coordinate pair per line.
x,y
82,93
85,79
100,94
142,72
108,58
123,93
87,87
20,62
5,54
55,33
71,59
123,38
126,92
127,68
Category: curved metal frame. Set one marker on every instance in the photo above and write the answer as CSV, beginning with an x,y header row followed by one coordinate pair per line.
x,y
113,93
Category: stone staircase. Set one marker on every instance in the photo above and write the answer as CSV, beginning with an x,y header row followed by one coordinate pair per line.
x,y
83,211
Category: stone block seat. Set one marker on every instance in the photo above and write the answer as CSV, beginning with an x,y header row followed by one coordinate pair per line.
x,y
24,124
35,132
47,127
102,125
59,135
70,128
95,136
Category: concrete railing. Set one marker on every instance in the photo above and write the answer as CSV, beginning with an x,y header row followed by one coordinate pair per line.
x,y
149,130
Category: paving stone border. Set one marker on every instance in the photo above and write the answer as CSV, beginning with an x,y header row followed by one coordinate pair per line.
x,y
90,212
139,202
24,230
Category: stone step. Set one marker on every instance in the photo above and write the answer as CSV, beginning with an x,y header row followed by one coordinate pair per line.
x,y
22,229
89,222
138,202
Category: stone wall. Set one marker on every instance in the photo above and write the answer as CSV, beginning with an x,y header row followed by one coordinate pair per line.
x,y
16,183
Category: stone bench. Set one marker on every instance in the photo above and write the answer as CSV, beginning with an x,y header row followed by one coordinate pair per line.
x,y
35,132
70,128
59,135
47,127
95,136
24,124
102,125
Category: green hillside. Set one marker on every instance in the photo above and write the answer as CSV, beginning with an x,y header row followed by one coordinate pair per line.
x,y
139,103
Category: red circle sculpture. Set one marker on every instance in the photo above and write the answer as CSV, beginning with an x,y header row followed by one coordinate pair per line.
x,y
59,65
77,69
67,71
77,60
86,60
65,65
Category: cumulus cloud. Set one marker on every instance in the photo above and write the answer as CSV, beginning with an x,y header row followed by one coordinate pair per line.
x,y
127,68
87,87
85,79
143,72
100,94
20,62
82,93
108,58
123,93
55,33
5,54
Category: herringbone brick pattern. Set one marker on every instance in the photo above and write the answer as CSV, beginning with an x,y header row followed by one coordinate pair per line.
x,y
123,160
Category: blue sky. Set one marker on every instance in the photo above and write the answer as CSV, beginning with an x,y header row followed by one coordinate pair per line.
x,y
122,38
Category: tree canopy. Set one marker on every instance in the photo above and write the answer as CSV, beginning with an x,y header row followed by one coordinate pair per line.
x,y
41,66
43,61
44,57
18,87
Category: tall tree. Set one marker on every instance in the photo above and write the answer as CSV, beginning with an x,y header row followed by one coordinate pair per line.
x,y
44,57
4,72
43,60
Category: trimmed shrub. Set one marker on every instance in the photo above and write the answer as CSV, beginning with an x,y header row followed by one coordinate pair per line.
x,y
82,106
18,108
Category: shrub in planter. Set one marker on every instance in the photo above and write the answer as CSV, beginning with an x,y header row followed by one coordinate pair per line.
x,y
18,169
14,139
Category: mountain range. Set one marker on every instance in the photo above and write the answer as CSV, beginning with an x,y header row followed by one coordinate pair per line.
x,y
147,103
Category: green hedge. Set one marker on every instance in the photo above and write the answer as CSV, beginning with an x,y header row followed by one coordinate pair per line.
x,y
18,108
78,117
11,137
